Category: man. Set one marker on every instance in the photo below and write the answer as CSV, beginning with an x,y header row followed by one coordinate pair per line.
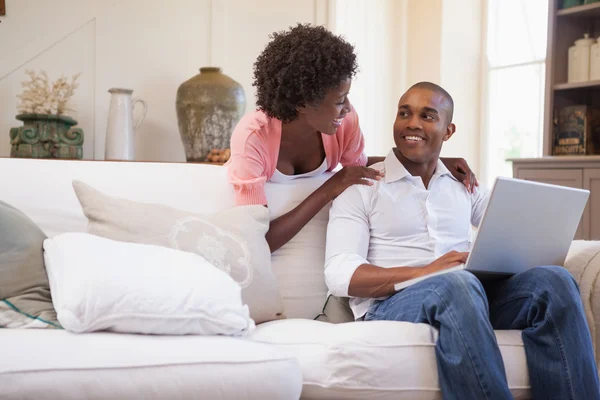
x,y
416,221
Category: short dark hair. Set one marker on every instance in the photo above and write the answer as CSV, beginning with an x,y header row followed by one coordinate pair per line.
x,y
298,66
438,89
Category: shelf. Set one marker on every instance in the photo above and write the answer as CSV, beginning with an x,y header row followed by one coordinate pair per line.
x,y
576,85
592,158
584,11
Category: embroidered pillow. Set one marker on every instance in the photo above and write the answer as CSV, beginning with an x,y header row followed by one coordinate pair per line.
x,y
232,240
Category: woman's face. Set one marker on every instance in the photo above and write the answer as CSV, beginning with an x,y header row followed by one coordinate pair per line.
x,y
327,116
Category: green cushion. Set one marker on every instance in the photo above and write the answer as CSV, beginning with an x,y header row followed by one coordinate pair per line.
x,y
25,299
336,310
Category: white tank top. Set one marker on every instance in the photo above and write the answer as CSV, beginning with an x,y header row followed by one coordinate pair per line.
x,y
279,177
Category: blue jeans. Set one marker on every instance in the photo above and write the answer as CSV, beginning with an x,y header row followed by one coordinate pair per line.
x,y
543,302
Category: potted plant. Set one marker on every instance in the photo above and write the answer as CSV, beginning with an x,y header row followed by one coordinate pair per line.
x,y
47,131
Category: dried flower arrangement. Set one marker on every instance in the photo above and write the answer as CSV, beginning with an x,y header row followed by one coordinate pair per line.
x,y
39,97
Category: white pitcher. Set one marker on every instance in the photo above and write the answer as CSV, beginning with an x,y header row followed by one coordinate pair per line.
x,y
120,132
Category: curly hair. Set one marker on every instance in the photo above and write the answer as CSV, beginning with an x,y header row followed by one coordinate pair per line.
x,y
298,66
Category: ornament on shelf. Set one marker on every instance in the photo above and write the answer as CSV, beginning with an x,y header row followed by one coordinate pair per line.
x,y
208,105
48,131
219,156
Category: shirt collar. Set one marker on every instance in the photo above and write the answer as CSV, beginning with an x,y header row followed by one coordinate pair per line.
x,y
395,171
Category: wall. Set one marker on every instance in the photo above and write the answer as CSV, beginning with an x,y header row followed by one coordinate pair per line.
x,y
444,46
152,47
371,31
149,46
402,42
424,40
462,51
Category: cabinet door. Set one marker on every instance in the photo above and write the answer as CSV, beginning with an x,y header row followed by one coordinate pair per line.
x,y
591,221
563,177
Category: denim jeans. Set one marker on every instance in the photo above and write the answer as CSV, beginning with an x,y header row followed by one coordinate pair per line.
x,y
543,302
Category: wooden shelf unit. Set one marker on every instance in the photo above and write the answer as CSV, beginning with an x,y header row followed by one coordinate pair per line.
x,y
564,27
577,85
585,11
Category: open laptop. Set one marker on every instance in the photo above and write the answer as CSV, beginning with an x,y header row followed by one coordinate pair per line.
x,y
525,225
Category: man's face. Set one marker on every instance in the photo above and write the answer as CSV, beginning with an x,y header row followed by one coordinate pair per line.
x,y
422,125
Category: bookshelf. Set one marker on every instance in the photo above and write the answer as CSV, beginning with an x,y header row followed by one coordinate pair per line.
x,y
564,27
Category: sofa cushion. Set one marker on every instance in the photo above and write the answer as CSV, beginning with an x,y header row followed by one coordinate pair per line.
x,y
376,359
101,284
25,299
233,240
57,364
299,264
194,188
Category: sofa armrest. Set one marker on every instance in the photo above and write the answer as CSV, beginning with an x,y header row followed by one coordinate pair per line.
x,y
583,262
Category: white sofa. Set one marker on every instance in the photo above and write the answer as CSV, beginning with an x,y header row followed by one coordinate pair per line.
x,y
284,359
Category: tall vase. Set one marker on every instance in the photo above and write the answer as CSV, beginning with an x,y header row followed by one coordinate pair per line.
x,y
208,105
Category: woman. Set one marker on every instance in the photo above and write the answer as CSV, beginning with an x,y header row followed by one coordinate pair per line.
x,y
304,126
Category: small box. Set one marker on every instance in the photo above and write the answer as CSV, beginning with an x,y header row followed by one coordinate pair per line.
x,y
576,131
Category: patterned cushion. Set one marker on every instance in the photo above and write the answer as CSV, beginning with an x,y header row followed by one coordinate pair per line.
x,y
233,240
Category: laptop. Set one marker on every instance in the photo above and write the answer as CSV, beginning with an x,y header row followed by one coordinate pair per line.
x,y
526,224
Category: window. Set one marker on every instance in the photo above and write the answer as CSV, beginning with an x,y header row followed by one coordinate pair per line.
x,y
516,62
366,25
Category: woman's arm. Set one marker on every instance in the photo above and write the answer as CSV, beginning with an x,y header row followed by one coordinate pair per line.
x,y
285,227
458,167
282,229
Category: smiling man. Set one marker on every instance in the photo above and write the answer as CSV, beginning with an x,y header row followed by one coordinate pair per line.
x,y
417,221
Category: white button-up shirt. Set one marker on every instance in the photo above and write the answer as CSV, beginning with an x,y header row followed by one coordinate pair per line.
x,y
397,222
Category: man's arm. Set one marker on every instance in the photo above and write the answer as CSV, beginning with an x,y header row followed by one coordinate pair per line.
x,y
479,202
347,271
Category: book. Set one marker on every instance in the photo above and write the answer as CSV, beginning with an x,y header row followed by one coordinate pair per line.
x,y
576,131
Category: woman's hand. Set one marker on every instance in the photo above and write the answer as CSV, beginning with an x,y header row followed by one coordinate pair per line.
x,y
283,228
459,168
349,176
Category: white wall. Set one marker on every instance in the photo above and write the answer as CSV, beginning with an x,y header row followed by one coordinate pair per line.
x,y
371,30
444,46
150,46
402,42
460,75
424,40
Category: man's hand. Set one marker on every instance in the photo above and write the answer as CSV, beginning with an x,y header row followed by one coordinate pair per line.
x,y
448,260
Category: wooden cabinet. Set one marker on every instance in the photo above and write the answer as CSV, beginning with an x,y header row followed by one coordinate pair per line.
x,y
576,172
564,27
591,217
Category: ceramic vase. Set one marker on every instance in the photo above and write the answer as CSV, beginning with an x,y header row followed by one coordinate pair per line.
x,y
208,106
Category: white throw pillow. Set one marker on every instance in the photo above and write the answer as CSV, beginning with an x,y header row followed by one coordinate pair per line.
x,y
102,284
233,240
